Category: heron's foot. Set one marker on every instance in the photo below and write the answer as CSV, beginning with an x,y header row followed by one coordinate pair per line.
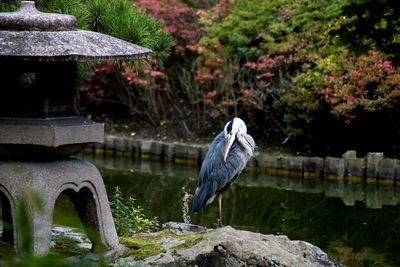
x,y
220,225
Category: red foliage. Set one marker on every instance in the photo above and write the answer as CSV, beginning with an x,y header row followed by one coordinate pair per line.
x,y
179,20
367,82
267,67
220,10
210,71
125,85
268,62
93,87
247,98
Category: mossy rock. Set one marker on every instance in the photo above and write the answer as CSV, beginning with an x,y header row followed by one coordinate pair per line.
x,y
190,239
141,247
146,245
67,247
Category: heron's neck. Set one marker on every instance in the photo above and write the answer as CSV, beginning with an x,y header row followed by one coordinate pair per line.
x,y
249,150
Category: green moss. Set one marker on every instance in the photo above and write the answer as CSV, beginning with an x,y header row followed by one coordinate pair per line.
x,y
189,243
190,240
168,233
144,246
141,247
67,247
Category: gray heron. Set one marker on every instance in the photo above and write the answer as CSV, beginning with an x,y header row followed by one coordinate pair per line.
x,y
224,161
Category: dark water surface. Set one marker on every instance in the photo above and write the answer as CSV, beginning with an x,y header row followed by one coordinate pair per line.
x,y
357,224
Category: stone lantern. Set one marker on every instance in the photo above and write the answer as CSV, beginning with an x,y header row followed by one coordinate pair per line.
x,y
40,126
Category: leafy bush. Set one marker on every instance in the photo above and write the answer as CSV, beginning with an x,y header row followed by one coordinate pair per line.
x,y
281,65
139,90
371,24
129,217
294,70
178,20
367,82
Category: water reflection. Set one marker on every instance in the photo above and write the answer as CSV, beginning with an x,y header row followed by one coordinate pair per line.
x,y
357,224
374,197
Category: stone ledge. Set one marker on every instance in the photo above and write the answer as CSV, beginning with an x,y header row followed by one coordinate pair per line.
x,y
375,168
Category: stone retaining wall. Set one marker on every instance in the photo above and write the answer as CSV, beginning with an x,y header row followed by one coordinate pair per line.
x,y
372,169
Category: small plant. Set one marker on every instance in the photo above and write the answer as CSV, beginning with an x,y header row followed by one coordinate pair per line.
x,y
129,217
280,156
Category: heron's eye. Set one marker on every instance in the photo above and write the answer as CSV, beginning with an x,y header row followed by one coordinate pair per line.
x,y
229,127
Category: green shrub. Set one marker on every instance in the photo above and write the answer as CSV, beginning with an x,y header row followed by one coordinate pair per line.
x,y
371,25
120,18
129,217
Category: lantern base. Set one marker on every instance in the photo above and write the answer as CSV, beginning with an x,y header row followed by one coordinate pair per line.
x,y
24,183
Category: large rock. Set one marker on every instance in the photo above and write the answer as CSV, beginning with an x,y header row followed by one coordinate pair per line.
x,y
231,247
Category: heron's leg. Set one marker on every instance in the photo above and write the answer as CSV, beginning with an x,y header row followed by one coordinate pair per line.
x,y
220,209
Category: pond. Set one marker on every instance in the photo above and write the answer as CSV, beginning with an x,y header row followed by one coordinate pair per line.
x,y
357,224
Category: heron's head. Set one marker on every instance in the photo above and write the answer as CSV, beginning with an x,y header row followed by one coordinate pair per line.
x,y
234,127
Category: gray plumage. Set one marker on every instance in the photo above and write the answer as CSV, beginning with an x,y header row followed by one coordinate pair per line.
x,y
216,174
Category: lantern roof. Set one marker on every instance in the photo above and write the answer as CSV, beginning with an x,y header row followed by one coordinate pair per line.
x,y
30,35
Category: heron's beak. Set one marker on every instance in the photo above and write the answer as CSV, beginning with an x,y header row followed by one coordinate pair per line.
x,y
231,138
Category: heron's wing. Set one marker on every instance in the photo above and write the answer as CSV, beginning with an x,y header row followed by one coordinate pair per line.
x,y
216,175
